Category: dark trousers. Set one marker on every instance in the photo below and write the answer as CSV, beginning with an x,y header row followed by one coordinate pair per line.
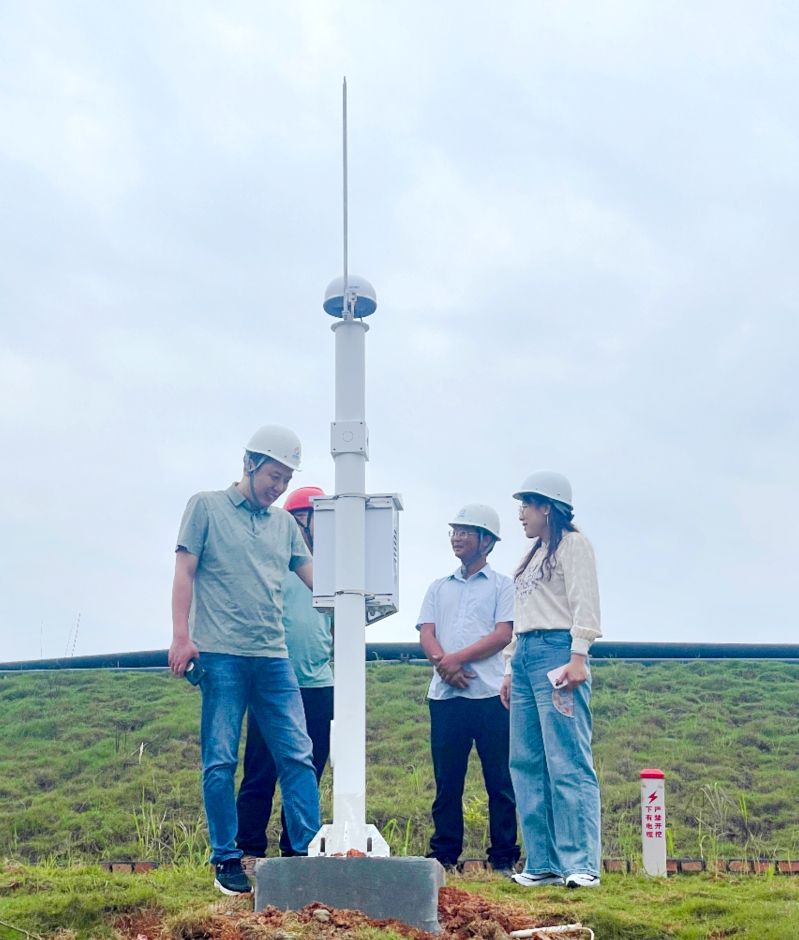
x,y
257,790
456,724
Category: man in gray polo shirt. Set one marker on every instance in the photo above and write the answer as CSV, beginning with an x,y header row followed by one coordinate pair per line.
x,y
233,551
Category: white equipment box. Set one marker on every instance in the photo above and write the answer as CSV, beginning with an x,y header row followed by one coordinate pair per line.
x,y
382,554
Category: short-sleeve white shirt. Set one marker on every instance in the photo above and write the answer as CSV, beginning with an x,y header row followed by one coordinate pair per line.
x,y
465,610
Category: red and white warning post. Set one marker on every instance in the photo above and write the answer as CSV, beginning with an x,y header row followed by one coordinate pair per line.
x,y
653,821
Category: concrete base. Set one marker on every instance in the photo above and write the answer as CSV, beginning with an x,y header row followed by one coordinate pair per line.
x,y
404,889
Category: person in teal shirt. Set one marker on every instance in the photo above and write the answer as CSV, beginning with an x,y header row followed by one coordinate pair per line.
x,y
309,639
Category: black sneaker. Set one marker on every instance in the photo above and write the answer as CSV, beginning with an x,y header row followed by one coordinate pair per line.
x,y
230,877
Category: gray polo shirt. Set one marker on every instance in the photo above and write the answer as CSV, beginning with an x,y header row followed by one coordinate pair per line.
x,y
237,603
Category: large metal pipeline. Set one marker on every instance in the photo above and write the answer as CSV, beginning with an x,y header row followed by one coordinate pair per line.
x,y
412,652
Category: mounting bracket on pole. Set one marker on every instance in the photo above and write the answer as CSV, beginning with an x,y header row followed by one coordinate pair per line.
x,y
349,437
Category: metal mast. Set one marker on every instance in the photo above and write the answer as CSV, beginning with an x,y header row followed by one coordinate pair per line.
x,y
349,300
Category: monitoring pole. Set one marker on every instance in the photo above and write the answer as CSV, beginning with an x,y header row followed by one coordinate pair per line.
x,y
356,568
349,299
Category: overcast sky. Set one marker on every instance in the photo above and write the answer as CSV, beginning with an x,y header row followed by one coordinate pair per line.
x,y
581,222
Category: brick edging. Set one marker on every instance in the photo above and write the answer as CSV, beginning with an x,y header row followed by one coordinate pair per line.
x,y
683,866
674,866
135,867
736,866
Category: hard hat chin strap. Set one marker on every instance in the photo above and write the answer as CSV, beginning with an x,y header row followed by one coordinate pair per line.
x,y
492,542
306,528
480,551
251,465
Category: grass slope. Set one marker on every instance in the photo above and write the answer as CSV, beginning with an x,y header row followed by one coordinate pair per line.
x,y
105,764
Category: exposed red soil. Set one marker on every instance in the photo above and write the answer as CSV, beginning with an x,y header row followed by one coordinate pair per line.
x,y
462,916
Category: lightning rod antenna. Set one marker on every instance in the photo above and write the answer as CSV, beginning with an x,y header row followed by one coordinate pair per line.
x,y
344,171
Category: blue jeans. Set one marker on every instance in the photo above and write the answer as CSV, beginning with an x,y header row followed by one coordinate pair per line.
x,y
557,793
269,688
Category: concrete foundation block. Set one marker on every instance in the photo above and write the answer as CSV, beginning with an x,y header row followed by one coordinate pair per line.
x,y
403,889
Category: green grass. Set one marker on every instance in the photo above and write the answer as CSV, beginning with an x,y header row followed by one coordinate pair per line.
x,y
45,898
106,764
84,902
689,907
726,736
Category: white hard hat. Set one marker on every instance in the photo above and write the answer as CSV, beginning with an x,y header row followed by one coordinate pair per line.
x,y
277,442
480,515
549,484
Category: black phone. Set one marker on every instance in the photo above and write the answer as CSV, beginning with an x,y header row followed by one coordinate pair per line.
x,y
194,672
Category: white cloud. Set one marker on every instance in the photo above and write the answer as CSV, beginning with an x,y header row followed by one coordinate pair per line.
x,y
579,223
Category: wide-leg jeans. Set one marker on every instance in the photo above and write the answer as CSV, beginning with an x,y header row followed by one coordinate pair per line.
x,y
269,687
556,788
257,790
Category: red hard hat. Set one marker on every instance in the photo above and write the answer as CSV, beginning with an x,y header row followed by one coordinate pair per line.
x,y
300,499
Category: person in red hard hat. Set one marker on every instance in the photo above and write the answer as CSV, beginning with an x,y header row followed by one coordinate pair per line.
x,y
310,646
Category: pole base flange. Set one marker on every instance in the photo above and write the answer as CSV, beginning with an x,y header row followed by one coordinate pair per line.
x,y
339,839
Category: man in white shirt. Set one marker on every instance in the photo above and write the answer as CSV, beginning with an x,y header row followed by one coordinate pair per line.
x,y
465,621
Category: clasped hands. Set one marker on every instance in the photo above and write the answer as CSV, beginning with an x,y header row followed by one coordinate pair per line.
x,y
452,670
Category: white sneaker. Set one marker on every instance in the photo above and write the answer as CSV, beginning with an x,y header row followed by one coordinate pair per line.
x,y
527,880
581,879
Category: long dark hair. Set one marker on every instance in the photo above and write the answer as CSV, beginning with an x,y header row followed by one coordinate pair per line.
x,y
559,520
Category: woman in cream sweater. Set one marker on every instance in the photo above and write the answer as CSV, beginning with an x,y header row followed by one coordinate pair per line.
x,y
548,689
